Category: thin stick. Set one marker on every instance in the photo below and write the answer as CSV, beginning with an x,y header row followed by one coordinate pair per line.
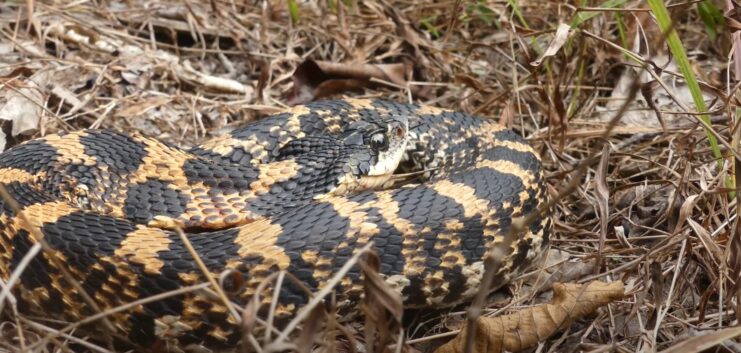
x,y
16,275
57,333
119,309
219,291
274,303
334,281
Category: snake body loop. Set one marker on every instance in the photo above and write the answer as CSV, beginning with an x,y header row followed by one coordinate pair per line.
x,y
300,191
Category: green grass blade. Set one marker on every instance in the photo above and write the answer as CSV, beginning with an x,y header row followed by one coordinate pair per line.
x,y
675,46
711,16
518,13
584,16
293,10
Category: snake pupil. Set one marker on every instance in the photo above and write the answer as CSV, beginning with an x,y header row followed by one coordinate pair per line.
x,y
379,142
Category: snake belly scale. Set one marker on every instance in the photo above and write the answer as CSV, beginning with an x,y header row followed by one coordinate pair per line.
x,y
299,191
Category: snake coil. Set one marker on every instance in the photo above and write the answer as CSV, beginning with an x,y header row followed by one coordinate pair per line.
x,y
299,191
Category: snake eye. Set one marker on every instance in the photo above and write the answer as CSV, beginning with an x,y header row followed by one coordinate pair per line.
x,y
379,142
399,131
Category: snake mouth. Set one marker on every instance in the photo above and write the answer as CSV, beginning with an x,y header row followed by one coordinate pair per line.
x,y
418,163
413,167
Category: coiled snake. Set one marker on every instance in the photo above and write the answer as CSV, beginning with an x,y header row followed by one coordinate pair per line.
x,y
299,191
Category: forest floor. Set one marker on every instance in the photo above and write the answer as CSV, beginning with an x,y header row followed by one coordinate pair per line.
x,y
639,195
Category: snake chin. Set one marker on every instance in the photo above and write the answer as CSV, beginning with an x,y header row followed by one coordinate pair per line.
x,y
387,149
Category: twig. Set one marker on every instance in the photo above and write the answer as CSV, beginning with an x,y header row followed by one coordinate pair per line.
x,y
206,273
328,287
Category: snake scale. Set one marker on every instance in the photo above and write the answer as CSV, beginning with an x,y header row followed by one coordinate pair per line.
x,y
300,191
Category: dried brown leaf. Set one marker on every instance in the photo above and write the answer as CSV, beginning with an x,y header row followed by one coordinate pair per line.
x,y
527,327
507,118
411,36
708,242
472,82
24,105
312,330
685,212
317,79
603,200
142,106
382,306
21,71
186,72
562,34
559,267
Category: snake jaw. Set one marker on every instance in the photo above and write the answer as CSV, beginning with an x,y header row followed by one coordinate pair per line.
x,y
381,164
418,159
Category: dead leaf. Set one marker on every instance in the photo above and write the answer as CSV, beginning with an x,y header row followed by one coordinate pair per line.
x,y
317,79
685,212
557,266
186,72
707,241
602,194
507,118
144,105
527,327
312,332
22,71
562,34
382,306
25,104
472,82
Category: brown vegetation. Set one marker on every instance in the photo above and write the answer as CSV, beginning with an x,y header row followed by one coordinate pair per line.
x,y
638,194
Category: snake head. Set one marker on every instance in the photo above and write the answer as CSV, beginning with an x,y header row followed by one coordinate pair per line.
x,y
381,145
362,156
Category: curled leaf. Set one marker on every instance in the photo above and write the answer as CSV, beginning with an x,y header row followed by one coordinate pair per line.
x,y
562,34
382,306
317,79
527,327
24,102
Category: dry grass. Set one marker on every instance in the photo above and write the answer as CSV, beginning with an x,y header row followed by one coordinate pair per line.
x,y
645,200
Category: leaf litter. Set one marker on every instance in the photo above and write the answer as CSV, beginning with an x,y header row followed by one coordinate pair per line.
x,y
647,206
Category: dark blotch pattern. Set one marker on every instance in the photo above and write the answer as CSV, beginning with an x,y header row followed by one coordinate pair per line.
x,y
526,161
119,152
24,195
389,246
220,178
83,237
508,135
318,228
36,274
322,161
33,156
152,198
493,185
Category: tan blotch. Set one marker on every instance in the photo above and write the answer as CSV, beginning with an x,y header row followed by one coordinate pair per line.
x,y
430,110
516,146
464,195
9,175
259,239
273,173
412,251
69,148
38,214
142,246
